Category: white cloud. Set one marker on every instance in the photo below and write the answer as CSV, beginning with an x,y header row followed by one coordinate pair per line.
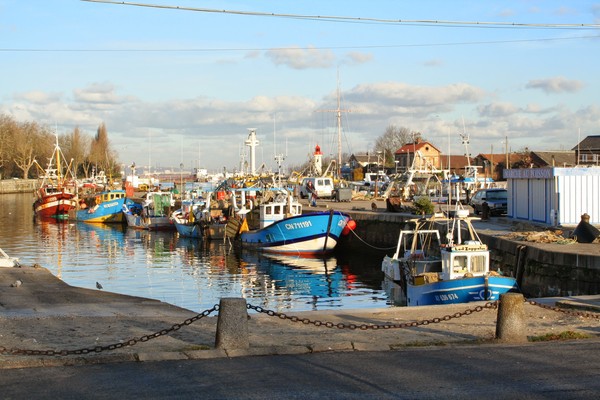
x,y
555,85
356,58
38,97
302,58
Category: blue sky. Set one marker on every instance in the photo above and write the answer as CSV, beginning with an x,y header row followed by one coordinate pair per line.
x,y
175,86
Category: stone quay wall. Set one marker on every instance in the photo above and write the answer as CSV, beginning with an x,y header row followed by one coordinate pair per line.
x,y
18,186
542,270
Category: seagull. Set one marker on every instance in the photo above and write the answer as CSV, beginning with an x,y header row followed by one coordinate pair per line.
x,y
98,285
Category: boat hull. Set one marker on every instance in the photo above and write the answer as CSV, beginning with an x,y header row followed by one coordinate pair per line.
x,y
149,223
189,229
314,233
106,212
56,205
465,290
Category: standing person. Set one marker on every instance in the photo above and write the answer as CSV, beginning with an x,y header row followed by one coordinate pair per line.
x,y
313,193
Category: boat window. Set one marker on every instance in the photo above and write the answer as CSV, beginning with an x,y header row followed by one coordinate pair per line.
x,y
459,264
277,210
268,210
478,264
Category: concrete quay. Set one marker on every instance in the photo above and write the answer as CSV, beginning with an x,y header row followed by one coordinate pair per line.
x,y
42,316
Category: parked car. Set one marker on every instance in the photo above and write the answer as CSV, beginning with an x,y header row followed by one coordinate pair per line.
x,y
323,186
496,199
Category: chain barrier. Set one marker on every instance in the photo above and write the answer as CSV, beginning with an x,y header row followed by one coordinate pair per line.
x,y
584,314
305,321
114,346
341,325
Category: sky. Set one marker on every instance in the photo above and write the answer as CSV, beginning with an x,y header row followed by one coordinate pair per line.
x,y
183,87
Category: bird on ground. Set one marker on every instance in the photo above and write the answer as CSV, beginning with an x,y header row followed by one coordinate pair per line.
x,y
98,285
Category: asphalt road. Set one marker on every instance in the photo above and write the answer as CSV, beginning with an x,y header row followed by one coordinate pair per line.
x,y
549,370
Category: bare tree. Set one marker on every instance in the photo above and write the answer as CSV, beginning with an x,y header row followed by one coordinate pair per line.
x,y
75,146
29,141
392,139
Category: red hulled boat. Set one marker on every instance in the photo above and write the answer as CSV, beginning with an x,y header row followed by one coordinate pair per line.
x,y
57,192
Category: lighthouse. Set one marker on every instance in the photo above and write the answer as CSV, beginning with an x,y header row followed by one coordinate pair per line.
x,y
318,161
252,142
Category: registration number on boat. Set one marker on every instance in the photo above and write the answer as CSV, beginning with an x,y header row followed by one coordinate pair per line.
x,y
446,297
298,225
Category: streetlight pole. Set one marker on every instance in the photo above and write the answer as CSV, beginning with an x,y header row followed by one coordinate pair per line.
x,y
181,181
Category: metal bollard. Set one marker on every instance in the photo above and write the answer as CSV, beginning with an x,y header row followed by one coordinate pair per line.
x,y
510,324
232,324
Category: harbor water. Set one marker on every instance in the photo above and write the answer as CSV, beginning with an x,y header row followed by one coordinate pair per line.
x,y
185,272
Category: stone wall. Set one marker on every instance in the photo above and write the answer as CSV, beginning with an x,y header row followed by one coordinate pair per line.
x,y
18,185
541,272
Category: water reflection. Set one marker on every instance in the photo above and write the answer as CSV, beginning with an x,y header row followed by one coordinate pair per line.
x,y
182,271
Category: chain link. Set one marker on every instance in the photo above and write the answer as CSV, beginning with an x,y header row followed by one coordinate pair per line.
x,y
114,346
292,318
341,325
584,314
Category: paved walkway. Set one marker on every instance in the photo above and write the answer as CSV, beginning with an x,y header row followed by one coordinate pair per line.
x,y
45,314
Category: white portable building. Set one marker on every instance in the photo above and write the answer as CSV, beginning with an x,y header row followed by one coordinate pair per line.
x,y
554,196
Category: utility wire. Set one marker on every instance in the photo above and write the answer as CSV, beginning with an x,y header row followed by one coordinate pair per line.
x,y
226,49
330,18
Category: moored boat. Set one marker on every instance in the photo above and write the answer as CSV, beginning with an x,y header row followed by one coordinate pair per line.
x,y
152,214
104,207
6,261
285,229
56,195
188,219
429,272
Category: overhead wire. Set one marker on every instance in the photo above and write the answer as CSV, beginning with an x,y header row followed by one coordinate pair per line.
x,y
329,18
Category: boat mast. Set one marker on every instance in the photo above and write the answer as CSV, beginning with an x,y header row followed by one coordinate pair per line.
x,y
58,172
338,112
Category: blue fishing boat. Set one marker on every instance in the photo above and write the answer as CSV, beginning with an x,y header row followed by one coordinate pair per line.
x,y
104,207
152,214
428,272
188,220
285,229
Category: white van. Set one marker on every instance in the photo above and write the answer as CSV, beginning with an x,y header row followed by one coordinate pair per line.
x,y
323,186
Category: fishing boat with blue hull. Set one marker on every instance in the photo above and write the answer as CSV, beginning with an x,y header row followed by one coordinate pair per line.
x,y
188,219
429,272
105,207
285,229
152,214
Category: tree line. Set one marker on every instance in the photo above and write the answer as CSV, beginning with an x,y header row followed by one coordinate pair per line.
x,y
22,144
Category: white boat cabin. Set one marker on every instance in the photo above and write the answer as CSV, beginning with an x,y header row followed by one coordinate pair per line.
x,y
427,259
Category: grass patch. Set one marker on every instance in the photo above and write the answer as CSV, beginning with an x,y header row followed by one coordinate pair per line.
x,y
421,343
566,335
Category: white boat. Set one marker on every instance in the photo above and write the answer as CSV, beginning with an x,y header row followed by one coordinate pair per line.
x,y
428,271
6,261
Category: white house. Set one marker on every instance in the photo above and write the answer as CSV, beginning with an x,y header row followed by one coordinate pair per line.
x,y
554,196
